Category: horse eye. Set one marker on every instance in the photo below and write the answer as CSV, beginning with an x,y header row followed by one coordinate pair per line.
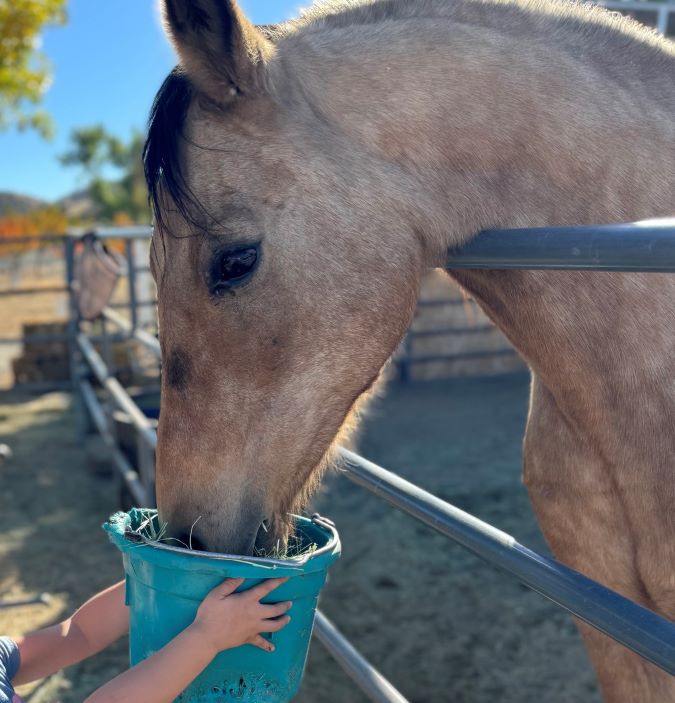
x,y
235,266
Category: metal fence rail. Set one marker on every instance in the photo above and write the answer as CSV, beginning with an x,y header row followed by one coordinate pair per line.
x,y
648,247
410,358
126,472
636,627
67,243
8,292
366,677
145,338
642,246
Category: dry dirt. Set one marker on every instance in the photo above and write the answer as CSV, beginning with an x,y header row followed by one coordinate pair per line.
x,y
435,620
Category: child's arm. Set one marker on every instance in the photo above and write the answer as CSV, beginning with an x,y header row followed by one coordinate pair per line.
x,y
99,622
224,620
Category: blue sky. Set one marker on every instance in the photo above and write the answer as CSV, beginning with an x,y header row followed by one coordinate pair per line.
x,y
108,62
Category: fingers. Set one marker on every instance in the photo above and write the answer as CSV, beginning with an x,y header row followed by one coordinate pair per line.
x,y
275,610
227,587
262,643
266,587
275,625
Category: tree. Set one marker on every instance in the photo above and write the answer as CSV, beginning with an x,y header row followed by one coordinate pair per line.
x,y
97,153
24,70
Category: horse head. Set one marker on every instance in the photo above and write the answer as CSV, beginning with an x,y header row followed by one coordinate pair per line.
x,y
280,292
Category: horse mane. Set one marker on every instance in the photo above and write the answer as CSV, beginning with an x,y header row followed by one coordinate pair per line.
x,y
162,161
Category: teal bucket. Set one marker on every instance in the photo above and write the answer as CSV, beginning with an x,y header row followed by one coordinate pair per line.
x,y
165,585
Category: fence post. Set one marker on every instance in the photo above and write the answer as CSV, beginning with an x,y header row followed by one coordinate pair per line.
x,y
84,422
131,282
662,21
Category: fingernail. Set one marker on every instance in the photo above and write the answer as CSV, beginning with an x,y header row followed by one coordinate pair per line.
x,y
271,648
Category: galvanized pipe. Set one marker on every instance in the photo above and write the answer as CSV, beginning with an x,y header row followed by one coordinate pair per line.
x,y
139,304
642,246
145,338
9,292
124,468
34,238
461,356
117,392
637,628
131,282
459,329
359,670
47,338
131,232
74,365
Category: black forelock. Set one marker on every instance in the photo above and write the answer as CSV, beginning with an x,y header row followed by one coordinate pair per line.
x,y
162,150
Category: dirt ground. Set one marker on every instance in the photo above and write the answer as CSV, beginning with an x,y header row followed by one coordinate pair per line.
x,y
440,624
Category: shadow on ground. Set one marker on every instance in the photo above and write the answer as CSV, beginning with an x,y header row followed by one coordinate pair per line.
x,y
56,492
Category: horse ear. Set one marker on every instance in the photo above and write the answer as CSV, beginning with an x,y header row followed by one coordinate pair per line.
x,y
219,49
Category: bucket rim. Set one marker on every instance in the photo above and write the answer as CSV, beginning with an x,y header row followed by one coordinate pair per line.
x,y
270,562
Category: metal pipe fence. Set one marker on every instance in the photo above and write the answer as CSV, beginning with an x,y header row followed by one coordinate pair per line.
x,y
364,675
638,247
7,292
644,247
67,243
637,628
410,356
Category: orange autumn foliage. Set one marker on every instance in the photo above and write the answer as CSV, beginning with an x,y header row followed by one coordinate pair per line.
x,y
13,227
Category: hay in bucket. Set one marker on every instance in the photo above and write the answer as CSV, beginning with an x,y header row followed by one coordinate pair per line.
x,y
167,583
146,528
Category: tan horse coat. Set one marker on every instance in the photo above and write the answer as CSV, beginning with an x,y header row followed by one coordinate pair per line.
x,y
353,147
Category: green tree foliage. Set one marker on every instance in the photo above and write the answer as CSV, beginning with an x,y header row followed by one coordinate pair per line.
x,y
24,70
98,154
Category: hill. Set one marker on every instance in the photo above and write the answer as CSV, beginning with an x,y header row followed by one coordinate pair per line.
x,y
19,204
76,206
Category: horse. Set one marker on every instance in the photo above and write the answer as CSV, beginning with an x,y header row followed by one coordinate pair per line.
x,y
303,178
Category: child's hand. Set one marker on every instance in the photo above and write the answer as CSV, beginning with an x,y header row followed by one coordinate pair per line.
x,y
226,619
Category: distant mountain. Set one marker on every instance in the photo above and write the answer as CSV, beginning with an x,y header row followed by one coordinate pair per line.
x,y
77,206
19,204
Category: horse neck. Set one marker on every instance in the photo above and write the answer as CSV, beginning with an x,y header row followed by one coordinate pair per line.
x,y
490,121
481,125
